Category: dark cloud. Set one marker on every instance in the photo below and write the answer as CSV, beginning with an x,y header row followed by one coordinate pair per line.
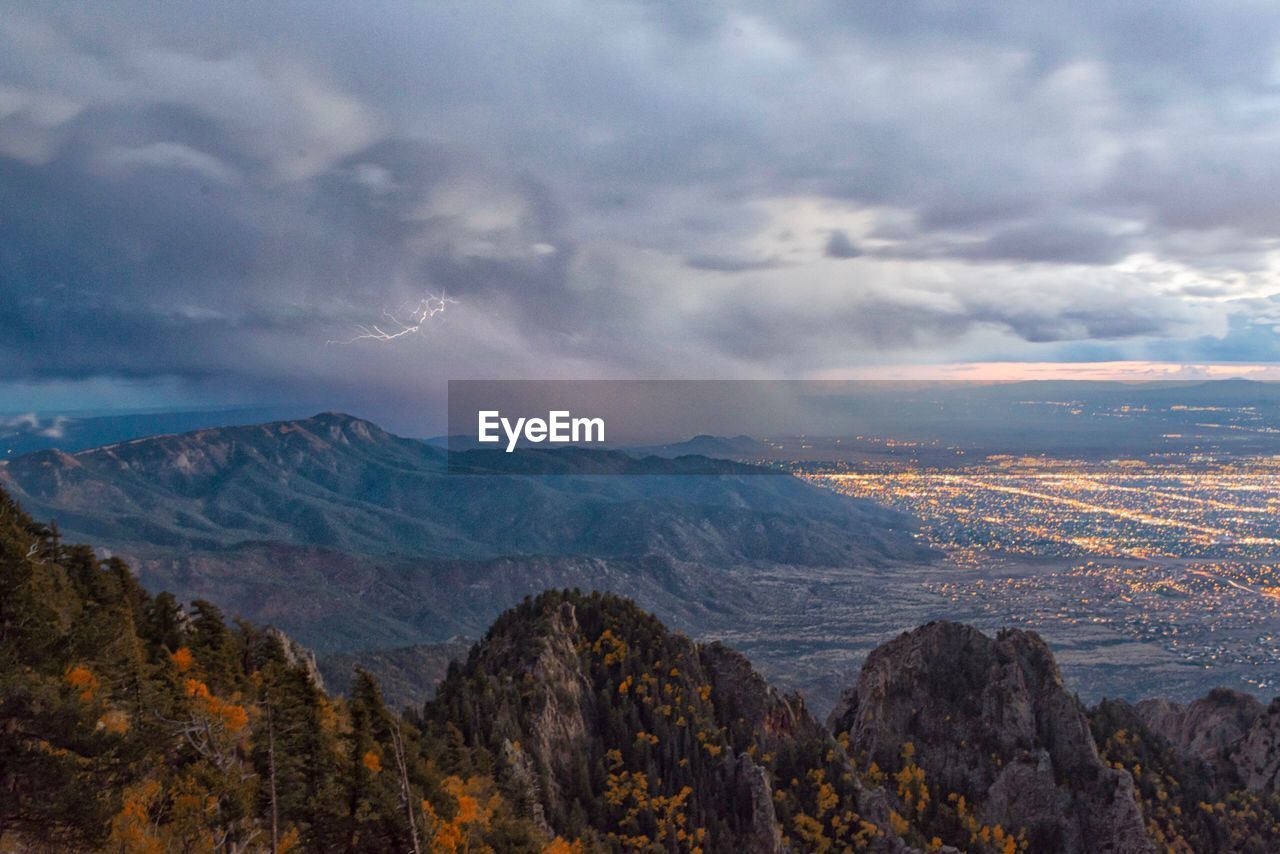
x,y
210,192
840,246
724,264
1048,241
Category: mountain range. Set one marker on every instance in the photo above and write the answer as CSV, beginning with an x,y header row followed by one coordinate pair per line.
x,y
130,721
355,540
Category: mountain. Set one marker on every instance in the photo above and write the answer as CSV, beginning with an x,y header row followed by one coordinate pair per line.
x,y
1195,771
407,675
1235,737
352,539
580,722
620,725
340,483
989,721
722,447
28,432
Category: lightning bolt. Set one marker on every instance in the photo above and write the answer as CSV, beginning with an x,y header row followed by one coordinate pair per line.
x,y
406,322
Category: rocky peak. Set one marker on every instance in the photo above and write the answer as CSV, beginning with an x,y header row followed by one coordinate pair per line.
x,y
750,707
1235,737
299,656
1257,755
990,719
1209,729
579,695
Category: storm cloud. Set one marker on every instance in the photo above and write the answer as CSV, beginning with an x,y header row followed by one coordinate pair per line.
x,y
201,196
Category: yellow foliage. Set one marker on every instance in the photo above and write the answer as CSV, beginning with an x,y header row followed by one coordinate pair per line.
x,y
372,761
131,829
289,842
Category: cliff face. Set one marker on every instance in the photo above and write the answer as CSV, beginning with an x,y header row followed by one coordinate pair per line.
x,y
1208,730
298,656
1257,757
1231,733
605,723
990,720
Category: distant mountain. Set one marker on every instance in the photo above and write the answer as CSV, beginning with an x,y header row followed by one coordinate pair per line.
x,y
351,538
25,433
407,675
716,447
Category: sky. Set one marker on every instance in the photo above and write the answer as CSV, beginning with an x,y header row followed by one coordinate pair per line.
x,y
209,203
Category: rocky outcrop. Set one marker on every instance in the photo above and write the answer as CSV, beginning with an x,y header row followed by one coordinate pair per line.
x,y
753,785
1208,730
557,732
1231,733
297,655
746,702
1257,755
594,709
991,720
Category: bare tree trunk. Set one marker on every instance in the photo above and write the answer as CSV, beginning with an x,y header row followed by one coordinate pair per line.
x,y
271,767
406,794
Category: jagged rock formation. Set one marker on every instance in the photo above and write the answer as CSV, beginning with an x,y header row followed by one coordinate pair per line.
x,y
603,721
1234,735
1257,757
298,656
990,720
1209,729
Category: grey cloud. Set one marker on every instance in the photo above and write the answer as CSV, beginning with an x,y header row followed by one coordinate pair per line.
x,y
840,246
183,187
1048,242
724,264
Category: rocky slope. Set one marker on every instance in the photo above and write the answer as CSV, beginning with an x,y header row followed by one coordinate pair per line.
x,y
602,719
1235,737
989,721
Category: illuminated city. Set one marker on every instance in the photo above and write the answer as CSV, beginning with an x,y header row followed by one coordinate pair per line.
x,y
1184,557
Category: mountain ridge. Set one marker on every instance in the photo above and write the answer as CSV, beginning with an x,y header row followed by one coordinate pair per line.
x,y
351,538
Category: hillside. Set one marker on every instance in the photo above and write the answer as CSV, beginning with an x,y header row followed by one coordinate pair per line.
x,y
350,538
132,722
337,482
135,723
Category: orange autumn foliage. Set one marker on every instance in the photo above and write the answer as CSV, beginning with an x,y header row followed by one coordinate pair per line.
x,y
82,678
232,716
182,659
476,803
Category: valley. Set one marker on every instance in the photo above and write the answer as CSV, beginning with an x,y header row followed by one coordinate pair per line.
x,y
1149,576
